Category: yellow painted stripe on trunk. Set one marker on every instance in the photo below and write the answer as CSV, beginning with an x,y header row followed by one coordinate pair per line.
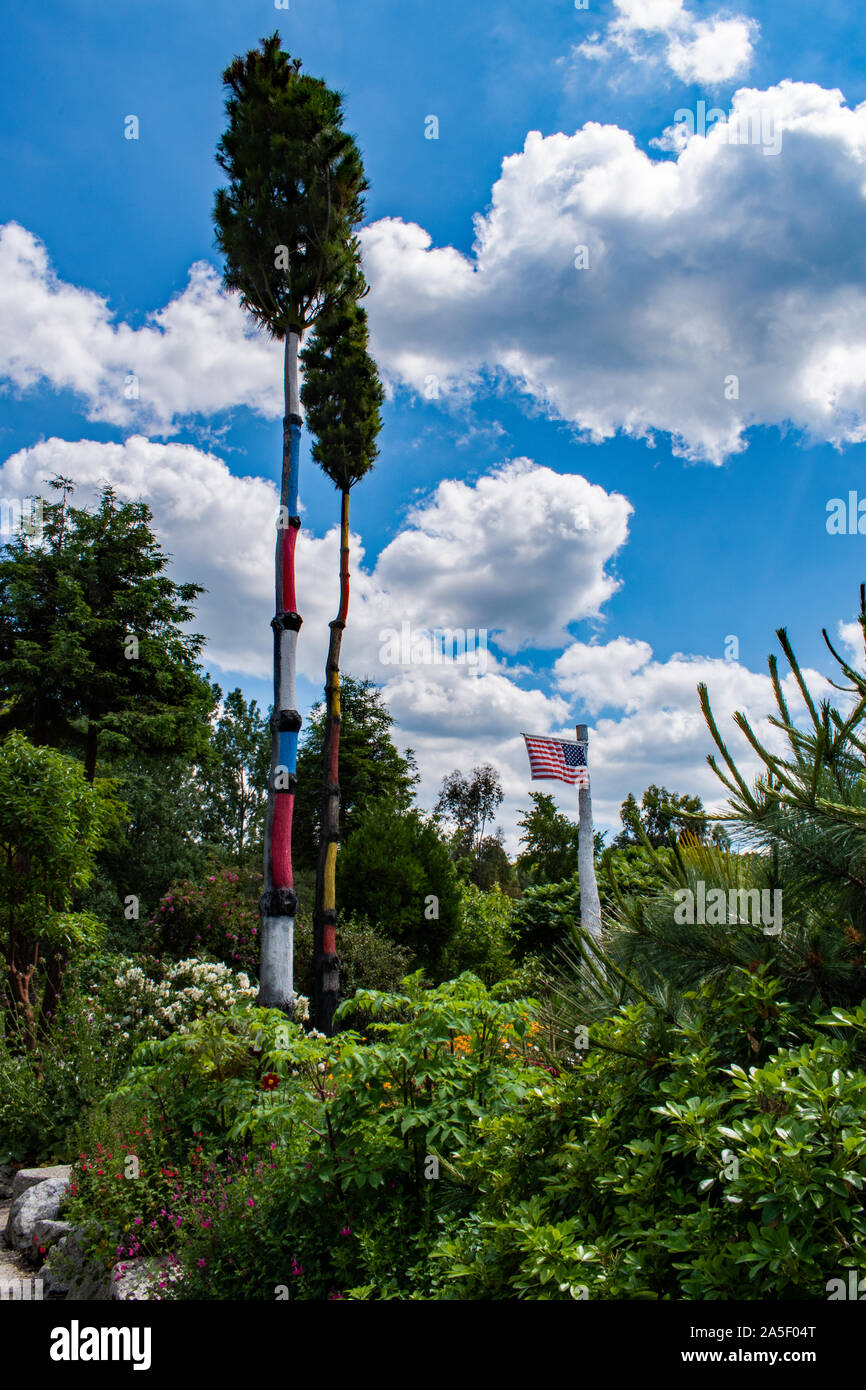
x,y
330,876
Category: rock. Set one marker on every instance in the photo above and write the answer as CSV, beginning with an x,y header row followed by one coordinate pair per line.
x,y
137,1280
7,1173
30,1177
38,1203
67,1274
47,1233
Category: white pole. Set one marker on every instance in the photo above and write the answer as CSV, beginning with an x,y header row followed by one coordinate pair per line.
x,y
590,907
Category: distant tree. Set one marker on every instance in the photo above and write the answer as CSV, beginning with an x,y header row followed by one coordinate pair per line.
x,y
234,779
396,871
342,396
491,867
155,840
469,804
94,655
551,842
371,768
286,225
661,813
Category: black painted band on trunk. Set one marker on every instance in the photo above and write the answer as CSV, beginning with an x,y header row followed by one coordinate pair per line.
x,y
286,721
278,902
291,622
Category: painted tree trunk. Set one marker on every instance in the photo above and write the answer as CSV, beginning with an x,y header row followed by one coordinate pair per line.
x,y
326,963
278,903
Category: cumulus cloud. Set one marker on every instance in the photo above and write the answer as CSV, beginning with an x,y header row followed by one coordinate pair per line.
x,y
724,288
663,32
658,733
523,552
648,727
198,355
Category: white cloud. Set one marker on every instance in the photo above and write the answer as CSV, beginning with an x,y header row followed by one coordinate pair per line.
x,y
660,735
523,551
219,528
652,32
722,263
199,354
714,52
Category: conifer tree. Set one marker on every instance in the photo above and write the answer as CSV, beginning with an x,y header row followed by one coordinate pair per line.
x,y
342,396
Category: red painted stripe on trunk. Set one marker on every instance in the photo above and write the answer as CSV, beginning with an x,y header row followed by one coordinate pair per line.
x,y
344,598
281,840
290,536
329,939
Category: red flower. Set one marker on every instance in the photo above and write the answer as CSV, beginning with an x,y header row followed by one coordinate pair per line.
x,y
270,1081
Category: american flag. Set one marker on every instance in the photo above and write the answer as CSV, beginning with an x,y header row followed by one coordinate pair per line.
x,y
556,759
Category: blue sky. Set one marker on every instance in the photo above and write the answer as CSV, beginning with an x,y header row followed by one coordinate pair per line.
x,y
654,518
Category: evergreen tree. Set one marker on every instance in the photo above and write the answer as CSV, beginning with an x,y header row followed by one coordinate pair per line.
x,y
342,396
371,768
94,657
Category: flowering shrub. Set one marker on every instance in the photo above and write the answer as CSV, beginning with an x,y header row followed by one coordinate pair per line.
x,y
125,1192
218,916
152,1008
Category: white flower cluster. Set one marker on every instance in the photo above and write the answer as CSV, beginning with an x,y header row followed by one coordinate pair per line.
x,y
190,989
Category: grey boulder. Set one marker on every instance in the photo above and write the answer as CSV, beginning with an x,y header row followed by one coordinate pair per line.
x,y
67,1274
31,1177
39,1202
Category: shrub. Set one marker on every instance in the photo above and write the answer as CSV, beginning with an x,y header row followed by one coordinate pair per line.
x,y
483,937
218,916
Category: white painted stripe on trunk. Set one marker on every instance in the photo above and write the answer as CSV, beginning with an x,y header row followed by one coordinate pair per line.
x,y
292,376
277,956
288,648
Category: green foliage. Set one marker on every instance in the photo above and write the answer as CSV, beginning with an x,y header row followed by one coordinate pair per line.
x,y
44,1090
218,915
342,396
154,842
296,181
490,866
469,804
369,959
395,871
545,917
660,815
352,1209
51,823
93,649
371,769
551,842
234,780
483,938
726,1162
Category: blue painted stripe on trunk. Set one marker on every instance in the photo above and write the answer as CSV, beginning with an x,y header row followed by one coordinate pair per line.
x,y
294,467
289,749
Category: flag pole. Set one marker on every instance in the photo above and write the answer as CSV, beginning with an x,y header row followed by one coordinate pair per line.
x,y
590,907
